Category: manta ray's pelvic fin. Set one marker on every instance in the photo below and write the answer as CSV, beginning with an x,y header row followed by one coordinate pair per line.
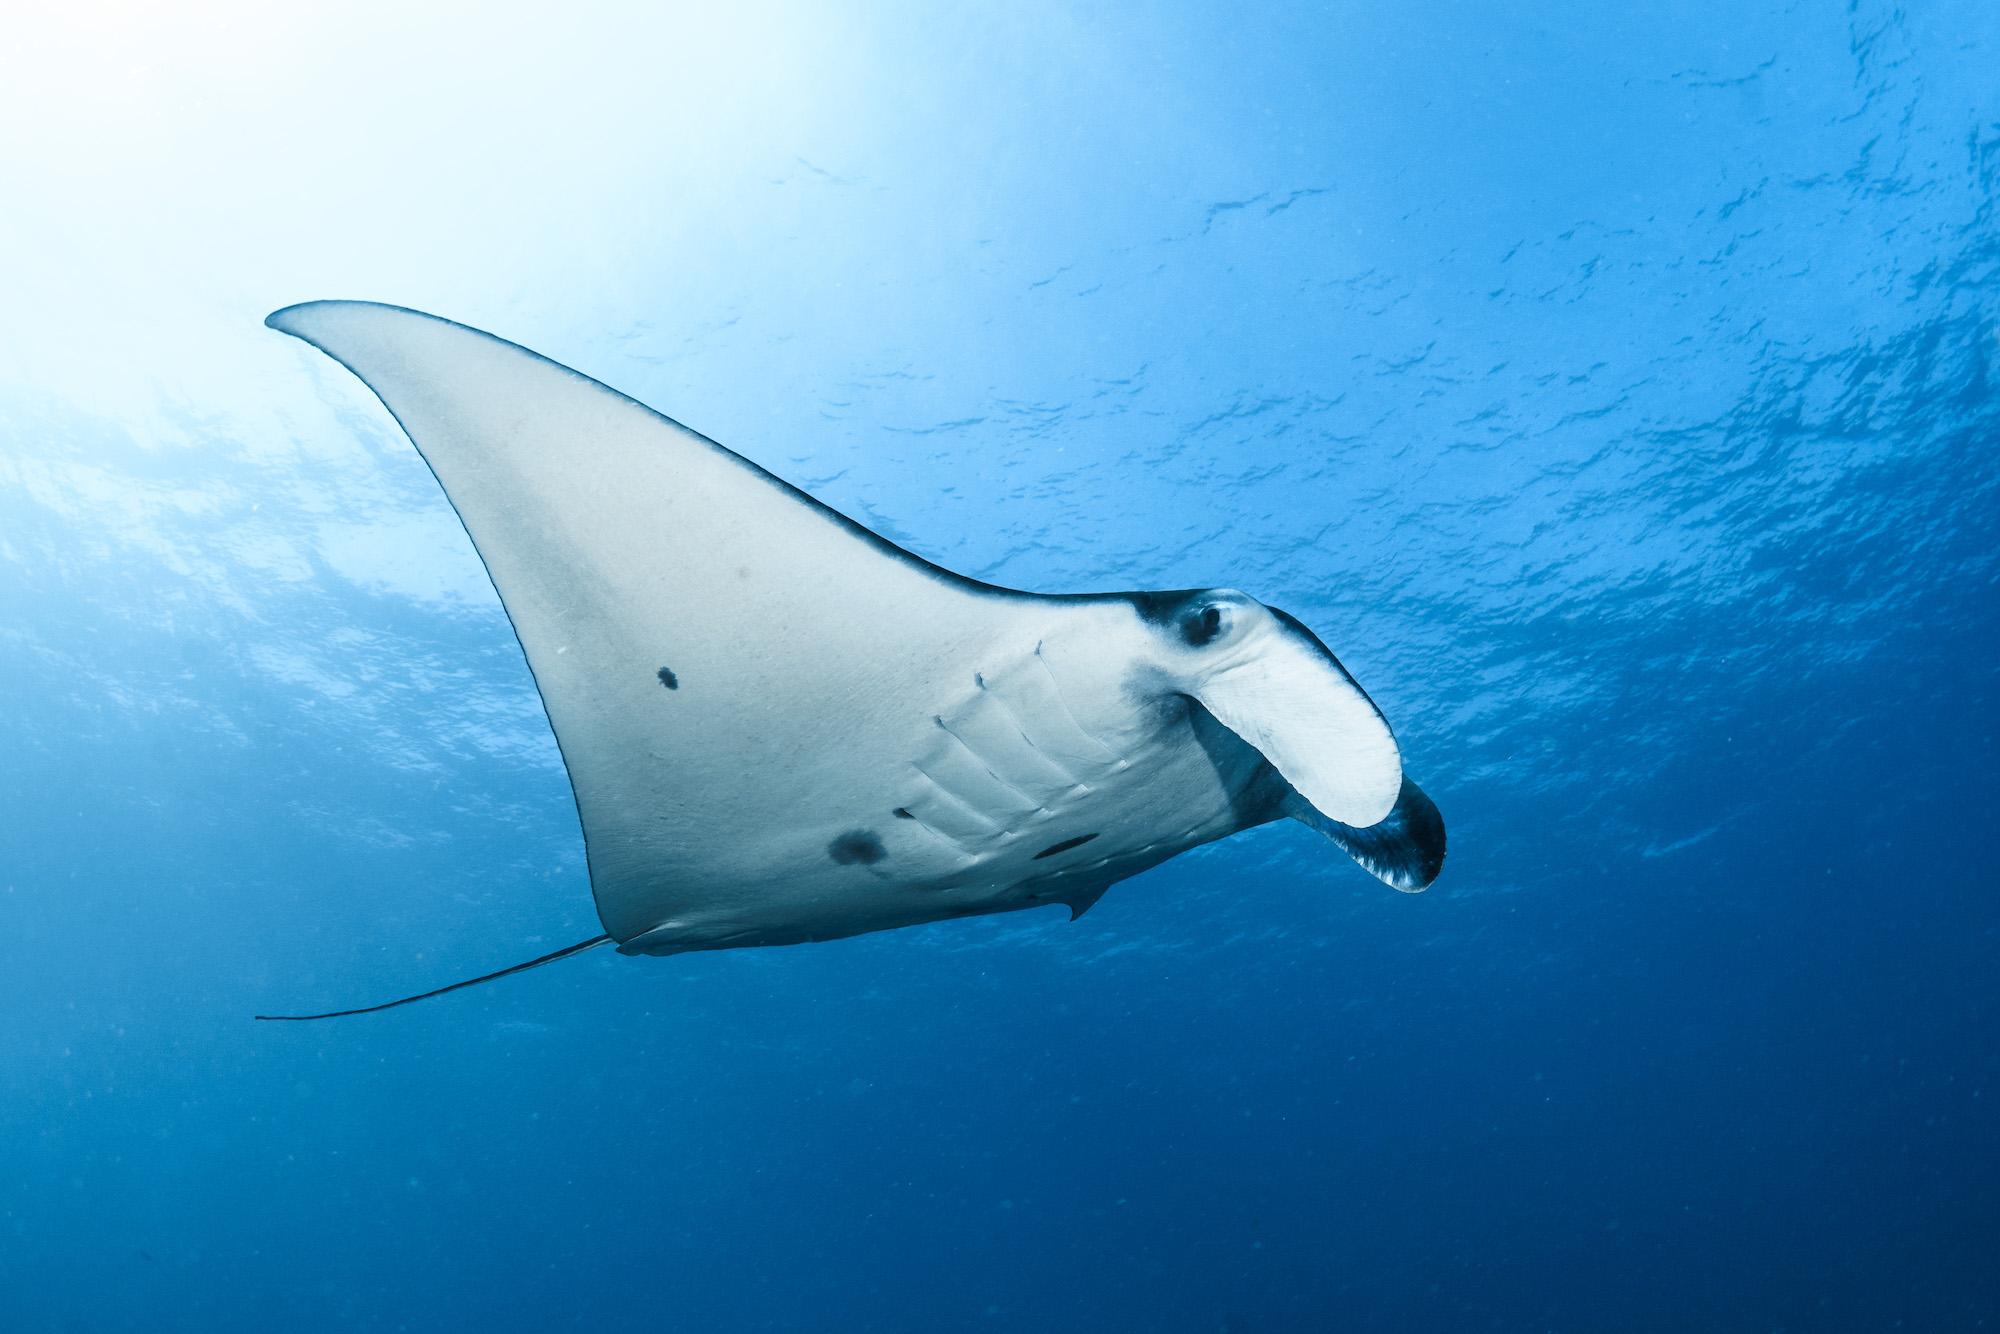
x,y
1082,901
562,953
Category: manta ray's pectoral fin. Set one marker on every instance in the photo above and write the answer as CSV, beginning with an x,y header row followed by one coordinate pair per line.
x,y
1404,851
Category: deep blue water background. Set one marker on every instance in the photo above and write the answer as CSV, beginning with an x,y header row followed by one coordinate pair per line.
x,y
1614,391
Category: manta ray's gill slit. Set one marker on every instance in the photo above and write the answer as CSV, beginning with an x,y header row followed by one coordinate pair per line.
x,y
1077,786
975,825
955,846
1055,689
991,772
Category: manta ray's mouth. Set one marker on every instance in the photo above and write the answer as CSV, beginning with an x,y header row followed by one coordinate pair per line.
x,y
1405,851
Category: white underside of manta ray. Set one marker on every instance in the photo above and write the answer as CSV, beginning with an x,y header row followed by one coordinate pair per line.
x,y
781,727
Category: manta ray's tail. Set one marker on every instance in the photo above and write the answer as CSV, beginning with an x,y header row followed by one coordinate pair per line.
x,y
562,953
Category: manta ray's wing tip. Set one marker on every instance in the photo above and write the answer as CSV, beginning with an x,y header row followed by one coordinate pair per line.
x,y
296,319
306,318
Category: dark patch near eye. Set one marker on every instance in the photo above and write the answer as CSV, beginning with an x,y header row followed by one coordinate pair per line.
x,y
1064,846
668,679
1203,626
902,814
1161,609
857,846
1187,611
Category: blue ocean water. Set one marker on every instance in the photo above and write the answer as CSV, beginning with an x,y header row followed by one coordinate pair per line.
x,y
1613,388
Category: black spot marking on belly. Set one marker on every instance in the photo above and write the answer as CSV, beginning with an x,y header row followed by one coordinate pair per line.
x,y
902,813
668,679
1064,846
857,846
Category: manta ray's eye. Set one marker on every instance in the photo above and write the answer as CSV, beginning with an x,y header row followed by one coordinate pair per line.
x,y
1206,624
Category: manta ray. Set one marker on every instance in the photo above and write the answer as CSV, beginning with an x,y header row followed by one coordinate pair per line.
x,y
781,727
